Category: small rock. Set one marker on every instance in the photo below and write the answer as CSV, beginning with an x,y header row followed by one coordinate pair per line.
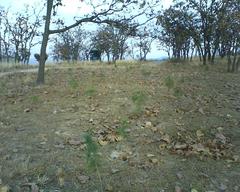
x,y
179,175
19,129
75,141
148,124
59,146
83,178
113,171
115,154
27,110
15,150
222,187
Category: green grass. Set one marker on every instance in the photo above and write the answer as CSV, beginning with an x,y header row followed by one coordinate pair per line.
x,y
34,99
3,87
146,72
138,98
169,82
90,91
121,130
92,156
178,92
73,83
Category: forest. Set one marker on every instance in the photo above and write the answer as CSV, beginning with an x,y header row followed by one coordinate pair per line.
x,y
206,29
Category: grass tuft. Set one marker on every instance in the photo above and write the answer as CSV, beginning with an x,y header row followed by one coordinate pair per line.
x,y
169,82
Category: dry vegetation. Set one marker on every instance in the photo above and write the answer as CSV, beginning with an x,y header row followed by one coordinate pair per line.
x,y
134,127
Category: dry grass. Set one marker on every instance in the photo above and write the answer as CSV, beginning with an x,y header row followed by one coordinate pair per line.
x,y
42,128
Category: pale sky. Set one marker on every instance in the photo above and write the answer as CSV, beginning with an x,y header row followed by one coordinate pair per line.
x,y
70,9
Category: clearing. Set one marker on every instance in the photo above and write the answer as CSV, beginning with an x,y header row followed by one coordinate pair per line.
x,y
163,128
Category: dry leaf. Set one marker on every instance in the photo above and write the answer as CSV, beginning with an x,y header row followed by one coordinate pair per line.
x,y
4,189
118,138
162,146
113,171
166,138
150,155
201,111
102,142
235,158
109,188
61,181
198,147
180,146
199,133
221,137
194,190
153,160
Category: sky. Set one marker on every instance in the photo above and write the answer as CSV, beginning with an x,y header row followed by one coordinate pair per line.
x,y
72,8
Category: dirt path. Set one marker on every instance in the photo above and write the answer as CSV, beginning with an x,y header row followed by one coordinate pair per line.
x,y
18,71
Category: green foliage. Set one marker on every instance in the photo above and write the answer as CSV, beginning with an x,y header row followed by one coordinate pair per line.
x,y
178,92
2,87
121,130
169,82
91,91
138,98
73,83
34,98
145,72
129,68
92,156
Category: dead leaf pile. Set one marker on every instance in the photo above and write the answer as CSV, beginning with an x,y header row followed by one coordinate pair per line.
x,y
107,136
218,147
151,111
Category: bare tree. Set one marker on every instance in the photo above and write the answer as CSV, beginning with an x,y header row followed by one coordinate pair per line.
x,y
112,12
18,33
144,39
69,44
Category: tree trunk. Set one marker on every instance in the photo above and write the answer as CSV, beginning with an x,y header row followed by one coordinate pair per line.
x,y
41,68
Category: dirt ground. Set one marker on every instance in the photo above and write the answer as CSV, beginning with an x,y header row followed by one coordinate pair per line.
x,y
135,127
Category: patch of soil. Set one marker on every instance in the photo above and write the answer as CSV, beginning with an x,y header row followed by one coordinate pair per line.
x,y
149,137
